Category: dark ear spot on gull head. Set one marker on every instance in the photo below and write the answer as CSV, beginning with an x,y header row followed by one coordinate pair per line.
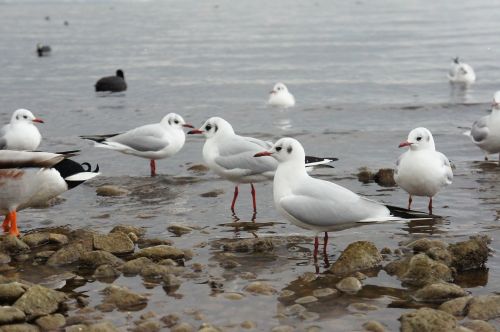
x,y
289,149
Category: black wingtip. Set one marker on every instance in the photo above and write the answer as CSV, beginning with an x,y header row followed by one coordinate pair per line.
x,y
410,214
456,60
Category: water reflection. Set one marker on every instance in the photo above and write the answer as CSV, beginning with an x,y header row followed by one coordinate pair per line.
x,y
460,93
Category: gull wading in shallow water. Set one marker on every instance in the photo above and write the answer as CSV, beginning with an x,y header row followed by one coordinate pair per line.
x,y
485,132
461,73
315,204
32,178
279,96
231,156
152,141
422,171
21,133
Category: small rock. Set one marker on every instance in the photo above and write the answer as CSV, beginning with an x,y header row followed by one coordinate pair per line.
x,y
360,255
4,258
213,193
170,281
12,245
111,190
456,307
182,327
36,239
77,328
157,253
360,276
170,320
439,292
440,255
115,243
359,306
365,175
155,270
135,266
208,328
385,177
199,168
427,319
124,299
139,231
11,291
349,285
479,326
260,287
68,254
134,238
106,272
59,239
44,255
423,270
323,292
286,293
248,245
102,327
309,316
470,254
306,299
9,315
100,257
19,328
484,307
51,322
179,229
39,301
233,296
148,315
374,326
146,243
147,326
295,309
229,264
248,324
424,244
282,328
197,267
386,251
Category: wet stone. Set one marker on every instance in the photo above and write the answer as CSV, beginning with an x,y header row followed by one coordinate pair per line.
x,y
100,257
248,324
439,292
179,229
456,307
124,299
9,315
170,281
59,239
360,255
39,301
260,287
139,231
349,285
12,245
427,319
309,316
102,327
423,270
306,299
146,243
323,292
115,243
182,327
385,251
135,266
170,320
111,191
147,326
359,306
68,254
4,258
19,328
479,326
44,255
470,254
77,328
51,322
374,326
10,292
134,238
157,253
234,296
385,177
294,309
229,264
248,245
282,328
484,307
155,270
106,272
36,239
424,244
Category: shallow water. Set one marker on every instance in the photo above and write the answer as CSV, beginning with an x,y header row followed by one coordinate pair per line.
x,y
364,73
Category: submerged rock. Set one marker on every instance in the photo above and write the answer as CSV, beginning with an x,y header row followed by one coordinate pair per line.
x,y
100,257
160,252
248,245
147,326
111,190
51,322
470,254
106,272
456,307
36,239
12,245
260,287
439,292
10,315
182,327
424,244
385,177
39,301
349,285
102,327
484,307
11,291
360,255
423,270
68,254
115,243
179,229
124,299
135,266
374,326
139,231
25,327
479,326
427,319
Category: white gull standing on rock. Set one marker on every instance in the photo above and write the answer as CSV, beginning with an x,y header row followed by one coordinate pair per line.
x,y
315,204
231,156
279,96
152,141
461,72
21,133
33,178
422,171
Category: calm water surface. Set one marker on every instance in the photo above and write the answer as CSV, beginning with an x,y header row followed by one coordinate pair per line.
x,y
364,73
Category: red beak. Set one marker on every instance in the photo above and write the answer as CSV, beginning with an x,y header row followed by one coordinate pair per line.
x,y
38,120
195,131
405,143
263,154
272,92
494,104
187,125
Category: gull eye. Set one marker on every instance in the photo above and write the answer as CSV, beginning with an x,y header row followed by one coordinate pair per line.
x,y
278,148
419,138
176,121
25,116
208,127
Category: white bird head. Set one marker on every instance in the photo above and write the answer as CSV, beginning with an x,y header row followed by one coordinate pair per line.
x,y
279,88
419,139
284,150
496,101
214,127
174,120
24,116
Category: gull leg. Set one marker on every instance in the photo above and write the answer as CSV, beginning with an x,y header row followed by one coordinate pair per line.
x,y
13,224
6,223
325,243
430,205
409,202
234,198
253,199
316,246
152,165
486,157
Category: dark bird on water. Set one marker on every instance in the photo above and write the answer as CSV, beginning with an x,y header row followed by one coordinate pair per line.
x,y
112,83
43,50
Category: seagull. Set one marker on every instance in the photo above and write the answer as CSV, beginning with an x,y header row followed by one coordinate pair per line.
x,y
32,178
112,83
315,204
21,133
152,141
485,132
422,171
461,72
231,156
43,50
279,96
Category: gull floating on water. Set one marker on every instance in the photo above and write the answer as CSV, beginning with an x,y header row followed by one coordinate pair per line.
x,y
231,156
33,178
152,141
112,83
21,133
279,96
485,132
422,171
461,72
315,204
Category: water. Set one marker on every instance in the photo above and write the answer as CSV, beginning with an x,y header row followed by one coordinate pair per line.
x,y
364,74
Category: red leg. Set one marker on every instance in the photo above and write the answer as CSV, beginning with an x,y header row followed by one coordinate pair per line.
x,y
13,224
234,198
325,243
253,199
430,205
316,246
6,223
409,202
152,165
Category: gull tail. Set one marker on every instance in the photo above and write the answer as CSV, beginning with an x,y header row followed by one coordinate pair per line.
x,y
74,173
399,214
98,138
318,161
467,133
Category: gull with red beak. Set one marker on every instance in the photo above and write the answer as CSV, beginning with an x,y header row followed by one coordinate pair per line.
x,y
231,156
315,204
21,134
485,132
422,171
152,141
280,97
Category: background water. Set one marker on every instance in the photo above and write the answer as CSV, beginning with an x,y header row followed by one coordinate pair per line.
x,y
364,73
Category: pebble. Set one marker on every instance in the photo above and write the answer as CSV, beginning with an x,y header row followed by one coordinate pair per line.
x,y
170,320
51,322
138,231
427,319
39,301
11,315
323,292
115,243
19,328
11,291
479,326
484,307
100,257
159,252
124,299
234,296
260,287
374,326
359,306
248,324
111,191
147,326
182,327
306,299
439,292
135,266
282,328
360,255
179,229
106,272
309,316
349,285
294,309
456,307
286,293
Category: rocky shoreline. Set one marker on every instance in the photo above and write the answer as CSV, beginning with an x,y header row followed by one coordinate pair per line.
x,y
61,257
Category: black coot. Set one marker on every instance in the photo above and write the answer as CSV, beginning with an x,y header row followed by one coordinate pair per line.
x,y
112,83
